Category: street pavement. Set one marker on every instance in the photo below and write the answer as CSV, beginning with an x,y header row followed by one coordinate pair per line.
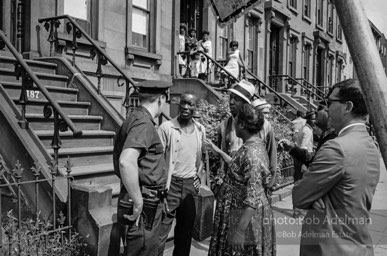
x,y
288,230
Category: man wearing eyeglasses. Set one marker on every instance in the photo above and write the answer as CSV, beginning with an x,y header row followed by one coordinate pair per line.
x,y
339,186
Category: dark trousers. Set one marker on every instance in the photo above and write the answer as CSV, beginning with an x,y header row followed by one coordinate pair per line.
x,y
297,170
141,241
182,200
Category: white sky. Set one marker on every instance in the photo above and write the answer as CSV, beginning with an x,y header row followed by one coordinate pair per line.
x,y
376,12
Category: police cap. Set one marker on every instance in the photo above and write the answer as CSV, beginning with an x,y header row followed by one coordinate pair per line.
x,y
153,87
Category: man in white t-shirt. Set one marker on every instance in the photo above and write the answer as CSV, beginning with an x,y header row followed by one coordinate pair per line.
x,y
183,140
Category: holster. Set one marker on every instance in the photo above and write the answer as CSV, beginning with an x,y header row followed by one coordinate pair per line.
x,y
125,207
149,210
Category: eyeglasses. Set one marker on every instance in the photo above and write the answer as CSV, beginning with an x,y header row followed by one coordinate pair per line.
x,y
330,101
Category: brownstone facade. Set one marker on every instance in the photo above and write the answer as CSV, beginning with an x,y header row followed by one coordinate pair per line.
x,y
299,38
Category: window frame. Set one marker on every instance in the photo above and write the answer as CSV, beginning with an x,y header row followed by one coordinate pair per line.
x,y
306,61
90,25
306,10
292,59
339,31
149,12
221,53
292,5
252,38
330,17
320,14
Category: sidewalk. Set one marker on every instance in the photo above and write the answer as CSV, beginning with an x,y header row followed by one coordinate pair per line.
x,y
289,246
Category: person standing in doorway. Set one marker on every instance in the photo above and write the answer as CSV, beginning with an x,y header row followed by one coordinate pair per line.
x,y
183,140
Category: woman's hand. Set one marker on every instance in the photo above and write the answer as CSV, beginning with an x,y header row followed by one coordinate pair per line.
x,y
237,241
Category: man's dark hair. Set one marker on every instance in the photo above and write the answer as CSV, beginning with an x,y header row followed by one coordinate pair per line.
x,y
350,90
251,118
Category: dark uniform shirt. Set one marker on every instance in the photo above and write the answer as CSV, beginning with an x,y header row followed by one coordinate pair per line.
x,y
138,131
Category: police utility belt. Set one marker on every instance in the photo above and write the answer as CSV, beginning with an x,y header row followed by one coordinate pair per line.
x,y
152,196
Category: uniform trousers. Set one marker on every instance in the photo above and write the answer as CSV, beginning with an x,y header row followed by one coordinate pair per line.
x,y
141,241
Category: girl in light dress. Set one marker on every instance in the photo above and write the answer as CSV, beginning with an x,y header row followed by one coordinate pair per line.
x,y
234,61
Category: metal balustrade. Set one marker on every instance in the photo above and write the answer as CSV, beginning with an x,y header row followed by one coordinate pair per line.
x,y
52,24
11,180
61,121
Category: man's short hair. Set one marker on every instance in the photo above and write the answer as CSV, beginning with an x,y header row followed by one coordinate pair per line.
x,y
350,90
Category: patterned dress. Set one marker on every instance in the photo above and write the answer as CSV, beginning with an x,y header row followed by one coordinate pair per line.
x,y
243,187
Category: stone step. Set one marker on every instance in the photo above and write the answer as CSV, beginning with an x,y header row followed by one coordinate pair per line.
x,y
84,156
58,93
89,138
46,79
82,122
35,106
36,66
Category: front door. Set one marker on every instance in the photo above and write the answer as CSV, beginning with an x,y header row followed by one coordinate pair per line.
x,y
191,14
11,21
320,70
274,54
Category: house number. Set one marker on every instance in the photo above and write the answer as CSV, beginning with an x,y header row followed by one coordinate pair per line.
x,y
33,94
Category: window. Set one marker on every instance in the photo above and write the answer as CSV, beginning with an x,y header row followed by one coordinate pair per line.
x,y
320,11
339,70
293,3
292,56
306,62
330,71
251,44
141,24
306,10
81,11
339,31
223,43
330,17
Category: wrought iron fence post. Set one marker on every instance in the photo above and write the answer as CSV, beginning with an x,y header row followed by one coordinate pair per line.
x,y
36,170
54,172
27,84
126,103
68,167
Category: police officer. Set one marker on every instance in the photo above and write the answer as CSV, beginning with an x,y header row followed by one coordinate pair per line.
x,y
138,160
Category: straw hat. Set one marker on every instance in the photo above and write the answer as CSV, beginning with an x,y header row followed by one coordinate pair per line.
x,y
244,89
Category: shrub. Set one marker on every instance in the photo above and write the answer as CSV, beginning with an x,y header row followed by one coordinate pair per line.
x,y
35,237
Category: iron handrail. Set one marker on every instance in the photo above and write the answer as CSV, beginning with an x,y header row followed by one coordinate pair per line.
x,y
35,79
295,81
271,90
311,85
100,52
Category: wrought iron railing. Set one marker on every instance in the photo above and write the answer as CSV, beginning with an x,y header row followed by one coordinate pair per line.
x,y
311,87
61,121
13,240
291,84
52,24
